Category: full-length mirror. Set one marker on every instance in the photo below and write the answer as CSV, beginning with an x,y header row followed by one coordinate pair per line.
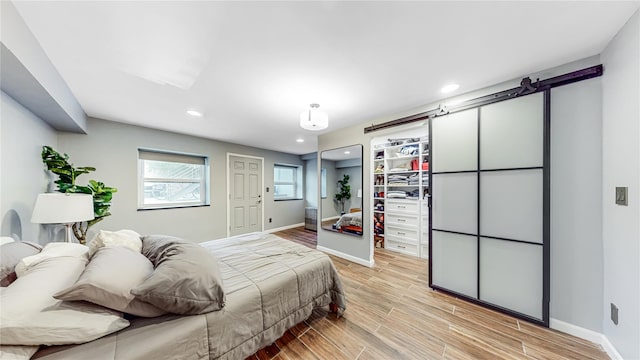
x,y
341,179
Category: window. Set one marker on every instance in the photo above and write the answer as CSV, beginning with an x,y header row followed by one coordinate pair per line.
x,y
287,182
167,179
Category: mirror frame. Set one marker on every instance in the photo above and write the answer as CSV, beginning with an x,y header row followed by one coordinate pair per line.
x,y
336,155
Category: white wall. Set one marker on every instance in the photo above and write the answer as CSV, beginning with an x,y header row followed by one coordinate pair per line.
x,y
621,167
23,174
576,204
112,148
311,182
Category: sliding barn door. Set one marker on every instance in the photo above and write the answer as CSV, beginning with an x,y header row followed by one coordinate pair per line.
x,y
490,213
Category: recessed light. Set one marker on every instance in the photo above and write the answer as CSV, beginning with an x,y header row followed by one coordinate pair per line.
x,y
347,152
300,140
194,113
449,88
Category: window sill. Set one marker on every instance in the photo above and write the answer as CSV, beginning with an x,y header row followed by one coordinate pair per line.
x,y
165,207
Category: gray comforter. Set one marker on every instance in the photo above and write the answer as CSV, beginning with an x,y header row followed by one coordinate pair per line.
x,y
271,284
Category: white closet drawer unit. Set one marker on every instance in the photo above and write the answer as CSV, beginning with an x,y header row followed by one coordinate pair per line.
x,y
401,220
424,235
410,235
407,206
424,251
405,248
424,229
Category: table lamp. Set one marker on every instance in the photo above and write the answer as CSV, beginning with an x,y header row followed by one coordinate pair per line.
x,y
61,208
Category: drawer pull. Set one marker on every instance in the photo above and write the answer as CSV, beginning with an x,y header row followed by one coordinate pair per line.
x,y
402,246
401,207
401,233
402,220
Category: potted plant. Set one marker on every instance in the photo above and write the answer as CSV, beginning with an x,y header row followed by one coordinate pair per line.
x,y
66,183
344,192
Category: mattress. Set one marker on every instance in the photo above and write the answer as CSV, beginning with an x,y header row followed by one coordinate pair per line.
x,y
271,284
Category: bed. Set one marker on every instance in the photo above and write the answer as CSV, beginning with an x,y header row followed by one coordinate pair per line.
x,y
270,285
350,222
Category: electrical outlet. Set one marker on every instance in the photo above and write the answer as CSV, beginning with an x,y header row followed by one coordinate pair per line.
x,y
614,313
621,195
270,220
267,189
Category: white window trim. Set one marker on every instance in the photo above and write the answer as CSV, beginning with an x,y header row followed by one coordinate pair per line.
x,y
297,184
204,182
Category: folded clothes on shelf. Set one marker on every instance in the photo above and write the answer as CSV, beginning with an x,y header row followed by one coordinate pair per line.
x,y
397,177
400,141
396,194
409,150
413,193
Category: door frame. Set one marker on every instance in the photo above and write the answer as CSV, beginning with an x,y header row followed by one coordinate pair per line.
x,y
228,197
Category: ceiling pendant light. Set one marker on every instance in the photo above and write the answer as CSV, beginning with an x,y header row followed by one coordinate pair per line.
x,y
314,119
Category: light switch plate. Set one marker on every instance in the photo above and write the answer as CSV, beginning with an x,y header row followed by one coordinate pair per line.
x,y
614,313
621,195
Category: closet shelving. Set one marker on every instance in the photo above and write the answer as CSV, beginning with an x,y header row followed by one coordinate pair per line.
x,y
400,190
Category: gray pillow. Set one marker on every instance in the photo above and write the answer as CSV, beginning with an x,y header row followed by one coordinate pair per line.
x,y
186,279
10,255
108,279
154,247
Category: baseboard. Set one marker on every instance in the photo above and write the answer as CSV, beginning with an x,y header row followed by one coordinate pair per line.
x,y
610,349
351,258
586,334
284,228
331,218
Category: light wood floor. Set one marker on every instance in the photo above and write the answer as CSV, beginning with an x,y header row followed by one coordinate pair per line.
x,y
392,314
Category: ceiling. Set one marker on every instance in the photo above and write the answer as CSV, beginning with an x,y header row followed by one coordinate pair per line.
x,y
252,67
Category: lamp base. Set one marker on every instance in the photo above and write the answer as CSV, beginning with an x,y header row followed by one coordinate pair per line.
x,y
68,233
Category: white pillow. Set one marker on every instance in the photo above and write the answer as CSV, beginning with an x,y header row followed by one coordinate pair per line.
x,y
31,316
5,239
54,249
126,238
17,352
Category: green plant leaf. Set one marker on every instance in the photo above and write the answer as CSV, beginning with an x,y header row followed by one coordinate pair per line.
x,y
67,174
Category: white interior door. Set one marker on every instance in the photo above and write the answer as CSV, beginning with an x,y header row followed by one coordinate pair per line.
x,y
245,194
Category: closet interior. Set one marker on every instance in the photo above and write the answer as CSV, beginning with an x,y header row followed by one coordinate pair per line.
x,y
400,196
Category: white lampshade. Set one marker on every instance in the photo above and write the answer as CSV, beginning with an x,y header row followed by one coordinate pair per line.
x,y
59,208
314,119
